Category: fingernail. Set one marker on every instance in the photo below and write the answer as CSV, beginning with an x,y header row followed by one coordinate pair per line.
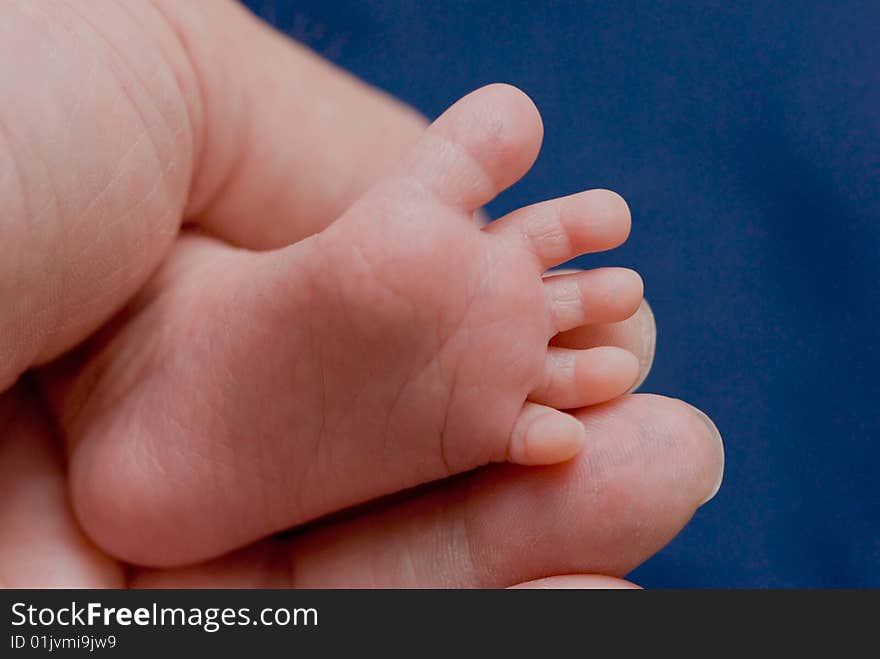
x,y
716,435
649,344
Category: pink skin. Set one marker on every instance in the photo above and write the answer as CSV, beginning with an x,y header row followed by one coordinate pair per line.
x,y
134,116
401,345
148,113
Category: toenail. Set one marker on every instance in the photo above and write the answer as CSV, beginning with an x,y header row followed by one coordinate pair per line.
x,y
716,437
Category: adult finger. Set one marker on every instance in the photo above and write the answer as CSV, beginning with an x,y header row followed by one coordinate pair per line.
x,y
288,140
652,463
143,115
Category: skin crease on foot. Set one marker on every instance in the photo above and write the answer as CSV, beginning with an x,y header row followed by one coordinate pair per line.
x,y
186,118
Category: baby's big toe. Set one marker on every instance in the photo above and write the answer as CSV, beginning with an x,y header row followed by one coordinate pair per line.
x,y
478,147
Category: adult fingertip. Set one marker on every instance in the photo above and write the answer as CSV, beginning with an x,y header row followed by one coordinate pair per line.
x,y
649,342
714,436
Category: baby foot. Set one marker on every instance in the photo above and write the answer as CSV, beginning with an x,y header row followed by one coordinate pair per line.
x,y
400,345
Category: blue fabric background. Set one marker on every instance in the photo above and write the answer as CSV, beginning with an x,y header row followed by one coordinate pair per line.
x,y
746,138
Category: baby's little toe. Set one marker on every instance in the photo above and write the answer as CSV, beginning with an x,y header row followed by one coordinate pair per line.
x,y
543,435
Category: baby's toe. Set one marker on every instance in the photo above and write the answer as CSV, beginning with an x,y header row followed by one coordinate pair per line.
x,y
478,147
577,378
543,435
604,295
561,229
